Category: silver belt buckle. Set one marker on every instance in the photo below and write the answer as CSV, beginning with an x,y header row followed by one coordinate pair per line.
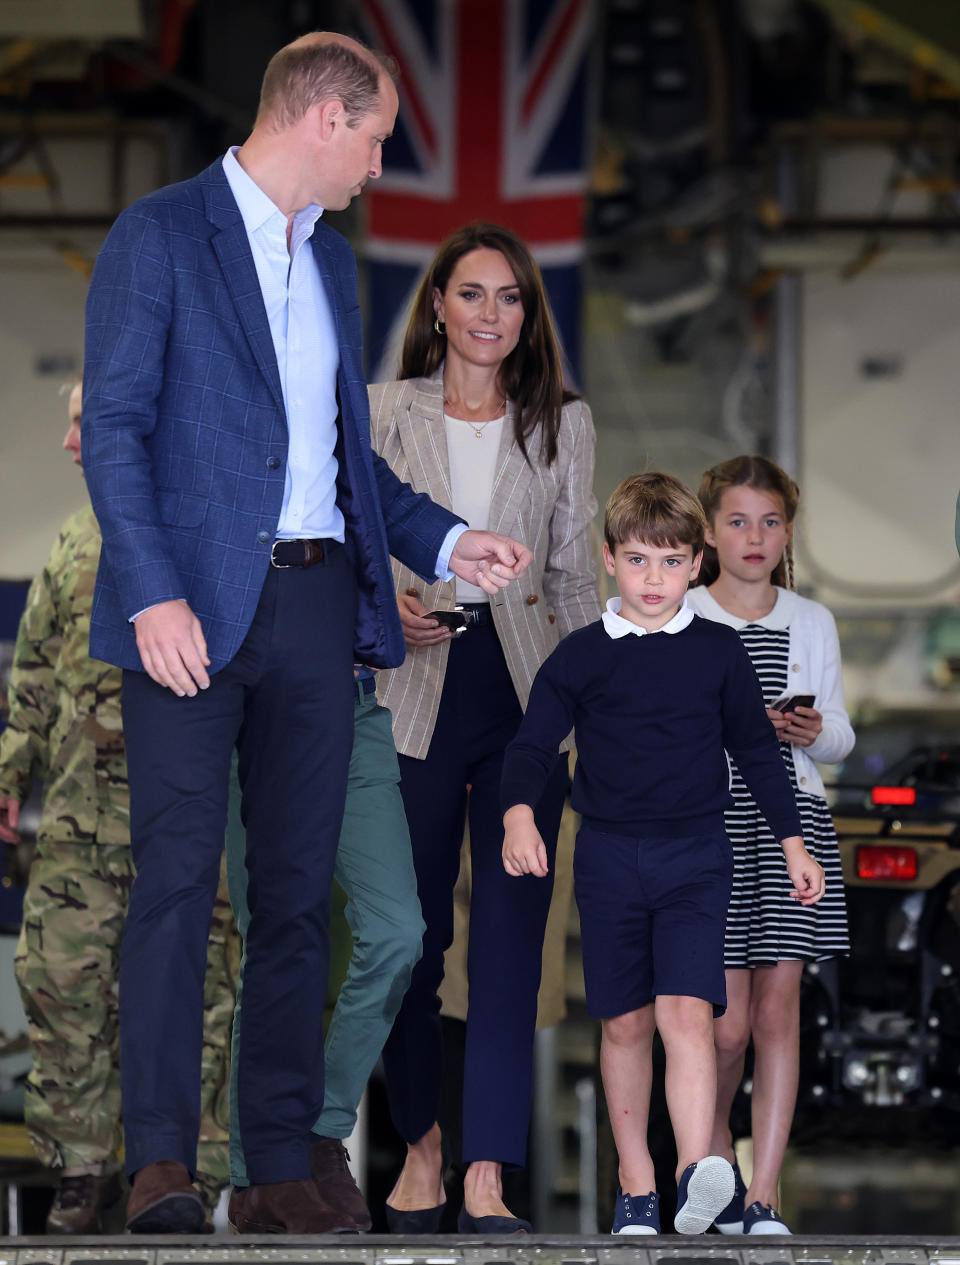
x,y
281,566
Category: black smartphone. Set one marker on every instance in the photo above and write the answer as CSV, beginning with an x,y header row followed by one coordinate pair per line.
x,y
455,620
790,702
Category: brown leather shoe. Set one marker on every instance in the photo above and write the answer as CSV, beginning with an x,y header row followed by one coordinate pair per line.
x,y
164,1201
328,1168
283,1208
79,1202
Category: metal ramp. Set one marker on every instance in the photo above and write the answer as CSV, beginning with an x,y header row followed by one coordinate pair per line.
x,y
525,1250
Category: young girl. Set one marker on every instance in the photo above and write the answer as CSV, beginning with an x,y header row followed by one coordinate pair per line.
x,y
746,582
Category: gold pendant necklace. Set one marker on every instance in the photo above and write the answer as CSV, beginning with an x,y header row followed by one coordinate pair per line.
x,y
477,429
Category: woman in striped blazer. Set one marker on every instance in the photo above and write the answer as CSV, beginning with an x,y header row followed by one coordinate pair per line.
x,y
481,422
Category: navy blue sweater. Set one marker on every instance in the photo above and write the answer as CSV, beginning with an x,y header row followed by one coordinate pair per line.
x,y
653,716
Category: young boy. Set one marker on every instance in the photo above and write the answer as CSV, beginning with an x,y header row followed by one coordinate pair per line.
x,y
655,694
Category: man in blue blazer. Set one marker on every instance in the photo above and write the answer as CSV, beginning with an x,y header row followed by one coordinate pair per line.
x,y
246,532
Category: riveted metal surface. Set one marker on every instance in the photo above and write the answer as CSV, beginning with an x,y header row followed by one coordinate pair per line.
x,y
441,1250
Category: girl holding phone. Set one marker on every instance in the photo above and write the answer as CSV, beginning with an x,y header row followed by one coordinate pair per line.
x,y
746,581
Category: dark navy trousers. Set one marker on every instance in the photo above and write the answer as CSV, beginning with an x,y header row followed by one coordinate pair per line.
x,y
286,702
479,714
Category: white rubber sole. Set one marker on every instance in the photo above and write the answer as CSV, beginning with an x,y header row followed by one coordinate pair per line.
x,y
729,1227
768,1229
633,1229
709,1191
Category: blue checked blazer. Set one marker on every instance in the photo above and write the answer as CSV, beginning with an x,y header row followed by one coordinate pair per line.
x,y
184,431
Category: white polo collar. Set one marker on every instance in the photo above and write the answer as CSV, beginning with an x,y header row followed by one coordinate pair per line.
x,y
616,626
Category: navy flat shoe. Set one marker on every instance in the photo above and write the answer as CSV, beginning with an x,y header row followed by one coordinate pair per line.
x,y
491,1225
415,1220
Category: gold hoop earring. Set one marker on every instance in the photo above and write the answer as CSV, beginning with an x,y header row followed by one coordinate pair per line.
x,y
441,329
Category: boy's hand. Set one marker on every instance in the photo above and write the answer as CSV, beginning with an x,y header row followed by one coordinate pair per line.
x,y
806,875
523,849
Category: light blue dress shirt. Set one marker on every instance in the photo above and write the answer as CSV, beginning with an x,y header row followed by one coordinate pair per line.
x,y
305,342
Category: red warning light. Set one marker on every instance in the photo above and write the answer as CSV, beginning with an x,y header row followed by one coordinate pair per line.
x,y
901,796
886,863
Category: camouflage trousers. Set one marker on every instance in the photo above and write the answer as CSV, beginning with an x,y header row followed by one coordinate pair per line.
x,y
67,965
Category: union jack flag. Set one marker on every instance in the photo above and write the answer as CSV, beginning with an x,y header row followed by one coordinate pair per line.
x,y
493,125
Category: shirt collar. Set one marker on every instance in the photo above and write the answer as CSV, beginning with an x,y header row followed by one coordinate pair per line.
x,y
779,618
616,626
253,204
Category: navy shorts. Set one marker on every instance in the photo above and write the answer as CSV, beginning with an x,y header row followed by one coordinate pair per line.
x,y
652,918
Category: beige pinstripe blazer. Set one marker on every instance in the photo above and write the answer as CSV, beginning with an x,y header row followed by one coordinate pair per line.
x,y
548,508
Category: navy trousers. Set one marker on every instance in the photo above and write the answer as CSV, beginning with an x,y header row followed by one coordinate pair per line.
x,y
479,714
286,702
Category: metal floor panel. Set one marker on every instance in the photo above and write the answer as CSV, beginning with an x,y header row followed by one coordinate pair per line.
x,y
442,1250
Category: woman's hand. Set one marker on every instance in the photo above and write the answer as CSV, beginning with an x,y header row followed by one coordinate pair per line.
x,y
418,631
803,727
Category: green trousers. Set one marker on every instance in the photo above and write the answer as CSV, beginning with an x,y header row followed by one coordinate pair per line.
x,y
380,915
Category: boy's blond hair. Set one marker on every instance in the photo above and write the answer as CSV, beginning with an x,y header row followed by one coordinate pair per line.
x,y
657,509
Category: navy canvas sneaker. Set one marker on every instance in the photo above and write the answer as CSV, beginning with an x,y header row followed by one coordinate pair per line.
x,y
633,1215
703,1191
761,1219
730,1221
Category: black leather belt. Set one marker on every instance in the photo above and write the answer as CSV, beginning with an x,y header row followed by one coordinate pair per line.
x,y
478,614
297,553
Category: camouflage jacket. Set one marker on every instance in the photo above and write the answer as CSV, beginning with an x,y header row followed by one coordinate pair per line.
x,y
65,725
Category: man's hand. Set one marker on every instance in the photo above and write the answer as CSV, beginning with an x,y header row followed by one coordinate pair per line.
x,y
9,819
806,875
418,631
173,647
489,560
523,849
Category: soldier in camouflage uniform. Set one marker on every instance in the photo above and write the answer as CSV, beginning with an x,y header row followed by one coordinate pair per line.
x,y
65,729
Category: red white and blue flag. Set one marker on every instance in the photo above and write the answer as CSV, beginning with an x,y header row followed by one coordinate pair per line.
x,y
493,125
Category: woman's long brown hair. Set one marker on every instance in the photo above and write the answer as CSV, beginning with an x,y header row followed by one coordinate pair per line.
x,y
532,375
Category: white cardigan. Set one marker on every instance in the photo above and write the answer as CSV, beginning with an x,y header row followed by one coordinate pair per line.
x,y
814,668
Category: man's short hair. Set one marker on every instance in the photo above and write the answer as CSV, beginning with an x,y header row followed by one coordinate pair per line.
x,y
307,71
656,509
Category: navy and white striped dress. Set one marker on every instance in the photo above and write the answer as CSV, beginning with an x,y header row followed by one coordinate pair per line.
x,y
764,925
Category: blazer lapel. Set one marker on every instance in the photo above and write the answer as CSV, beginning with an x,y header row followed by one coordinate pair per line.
x,y
512,478
232,248
423,439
